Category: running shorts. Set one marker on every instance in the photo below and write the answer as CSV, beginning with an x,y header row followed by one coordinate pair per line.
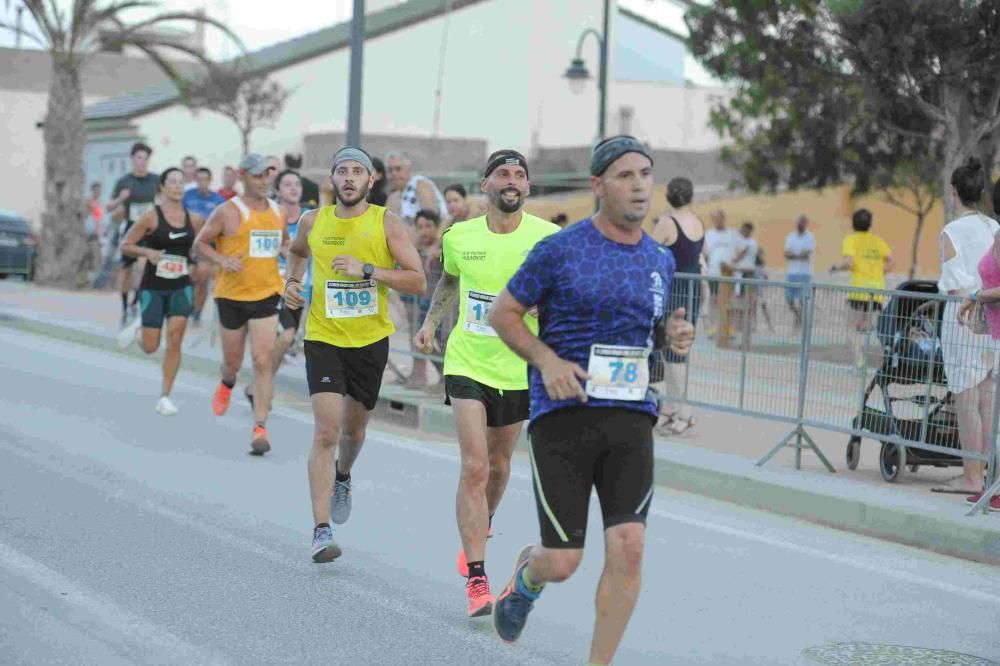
x,y
864,306
234,315
577,448
503,407
349,371
160,304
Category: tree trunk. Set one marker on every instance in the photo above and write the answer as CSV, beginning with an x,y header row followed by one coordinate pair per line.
x,y
921,217
63,243
987,155
245,139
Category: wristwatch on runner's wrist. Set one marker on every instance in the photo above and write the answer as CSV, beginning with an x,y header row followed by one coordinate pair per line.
x,y
367,270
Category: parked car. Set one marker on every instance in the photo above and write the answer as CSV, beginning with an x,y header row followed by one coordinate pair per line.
x,y
18,246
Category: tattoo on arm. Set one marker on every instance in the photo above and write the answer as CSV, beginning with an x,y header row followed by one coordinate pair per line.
x,y
444,299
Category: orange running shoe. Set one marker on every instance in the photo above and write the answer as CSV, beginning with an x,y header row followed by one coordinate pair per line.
x,y
462,563
260,443
480,599
220,401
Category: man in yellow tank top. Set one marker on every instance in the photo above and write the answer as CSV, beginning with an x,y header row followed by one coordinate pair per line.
x,y
248,232
355,248
486,383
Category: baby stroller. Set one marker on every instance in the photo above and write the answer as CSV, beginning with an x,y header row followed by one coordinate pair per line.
x,y
912,355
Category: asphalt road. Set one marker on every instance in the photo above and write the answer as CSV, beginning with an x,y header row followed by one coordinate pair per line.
x,y
127,537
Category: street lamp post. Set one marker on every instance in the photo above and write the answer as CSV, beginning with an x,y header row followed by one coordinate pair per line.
x,y
578,74
354,96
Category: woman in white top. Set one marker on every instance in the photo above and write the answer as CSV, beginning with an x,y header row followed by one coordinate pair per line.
x,y
968,359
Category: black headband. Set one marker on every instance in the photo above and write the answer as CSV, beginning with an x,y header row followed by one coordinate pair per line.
x,y
611,149
506,158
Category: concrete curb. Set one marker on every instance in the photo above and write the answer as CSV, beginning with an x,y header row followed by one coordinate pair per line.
x,y
829,500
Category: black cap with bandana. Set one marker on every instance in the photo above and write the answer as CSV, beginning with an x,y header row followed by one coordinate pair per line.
x,y
504,157
611,149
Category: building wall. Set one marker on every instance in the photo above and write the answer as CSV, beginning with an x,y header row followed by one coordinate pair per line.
x,y
24,84
502,82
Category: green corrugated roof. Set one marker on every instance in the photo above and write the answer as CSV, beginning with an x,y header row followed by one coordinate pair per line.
x,y
306,47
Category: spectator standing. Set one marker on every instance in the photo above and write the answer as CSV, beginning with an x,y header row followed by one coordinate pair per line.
x,y
868,257
310,190
969,360
417,192
683,233
189,167
428,225
456,200
799,249
94,229
202,201
377,195
718,250
229,180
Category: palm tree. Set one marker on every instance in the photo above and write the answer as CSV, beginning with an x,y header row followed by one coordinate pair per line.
x,y
72,35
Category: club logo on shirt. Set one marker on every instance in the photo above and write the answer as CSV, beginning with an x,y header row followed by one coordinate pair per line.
x,y
334,240
473,255
657,283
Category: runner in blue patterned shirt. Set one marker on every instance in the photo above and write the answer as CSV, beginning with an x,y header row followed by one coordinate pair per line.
x,y
601,289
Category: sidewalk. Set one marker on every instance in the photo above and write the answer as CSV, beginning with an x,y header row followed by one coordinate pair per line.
x,y
716,459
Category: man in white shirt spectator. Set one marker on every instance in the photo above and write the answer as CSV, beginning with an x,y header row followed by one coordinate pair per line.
x,y
799,249
718,250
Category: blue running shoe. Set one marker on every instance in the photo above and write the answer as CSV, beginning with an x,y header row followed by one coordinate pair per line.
x,y
510,613
324,549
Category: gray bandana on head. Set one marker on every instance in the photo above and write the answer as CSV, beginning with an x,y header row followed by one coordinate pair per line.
x,y
611,149
355,154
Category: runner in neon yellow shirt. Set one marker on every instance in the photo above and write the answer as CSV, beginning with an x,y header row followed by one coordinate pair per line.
x,y
486,383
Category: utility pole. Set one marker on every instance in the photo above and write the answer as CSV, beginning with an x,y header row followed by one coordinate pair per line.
x,y
354,94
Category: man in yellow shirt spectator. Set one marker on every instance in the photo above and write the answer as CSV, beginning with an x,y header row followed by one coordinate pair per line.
x,y
868,257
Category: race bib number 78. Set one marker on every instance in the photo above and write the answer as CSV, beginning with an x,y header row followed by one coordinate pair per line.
x,y
618,372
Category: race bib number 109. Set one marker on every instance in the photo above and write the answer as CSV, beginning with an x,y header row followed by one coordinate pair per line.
x,y
346,300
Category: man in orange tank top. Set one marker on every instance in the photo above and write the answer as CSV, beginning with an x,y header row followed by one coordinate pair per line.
x,y
358,250
248,232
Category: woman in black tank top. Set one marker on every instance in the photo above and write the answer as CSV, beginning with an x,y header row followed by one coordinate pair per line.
x,y
686,248
167,233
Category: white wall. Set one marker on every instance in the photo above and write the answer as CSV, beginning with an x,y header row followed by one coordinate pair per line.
x,y
502,81
22,169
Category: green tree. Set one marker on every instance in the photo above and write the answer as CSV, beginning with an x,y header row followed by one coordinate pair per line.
x,y
71,35
825,90
249,100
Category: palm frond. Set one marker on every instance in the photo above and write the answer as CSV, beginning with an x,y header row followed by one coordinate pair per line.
x,y
58,18
96,17
13,28
181,16
37,10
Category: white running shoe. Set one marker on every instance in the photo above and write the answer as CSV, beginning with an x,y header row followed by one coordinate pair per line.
x,y
166,407
127,336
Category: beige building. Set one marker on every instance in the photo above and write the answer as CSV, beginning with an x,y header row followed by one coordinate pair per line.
x,y
499,74
24,87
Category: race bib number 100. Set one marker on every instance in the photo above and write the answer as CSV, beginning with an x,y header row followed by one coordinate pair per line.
x,y
477,313
345,300
265,243
171,267
618,373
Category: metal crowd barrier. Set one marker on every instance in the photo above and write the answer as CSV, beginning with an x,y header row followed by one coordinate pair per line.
x,y
867,363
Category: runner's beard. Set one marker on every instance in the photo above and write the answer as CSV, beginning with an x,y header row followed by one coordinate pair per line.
x,y
362,194
505,206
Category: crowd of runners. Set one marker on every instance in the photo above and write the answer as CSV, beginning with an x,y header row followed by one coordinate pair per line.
x,y
552,326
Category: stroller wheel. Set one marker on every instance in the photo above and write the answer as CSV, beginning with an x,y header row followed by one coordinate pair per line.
x,y
892,461
853,453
